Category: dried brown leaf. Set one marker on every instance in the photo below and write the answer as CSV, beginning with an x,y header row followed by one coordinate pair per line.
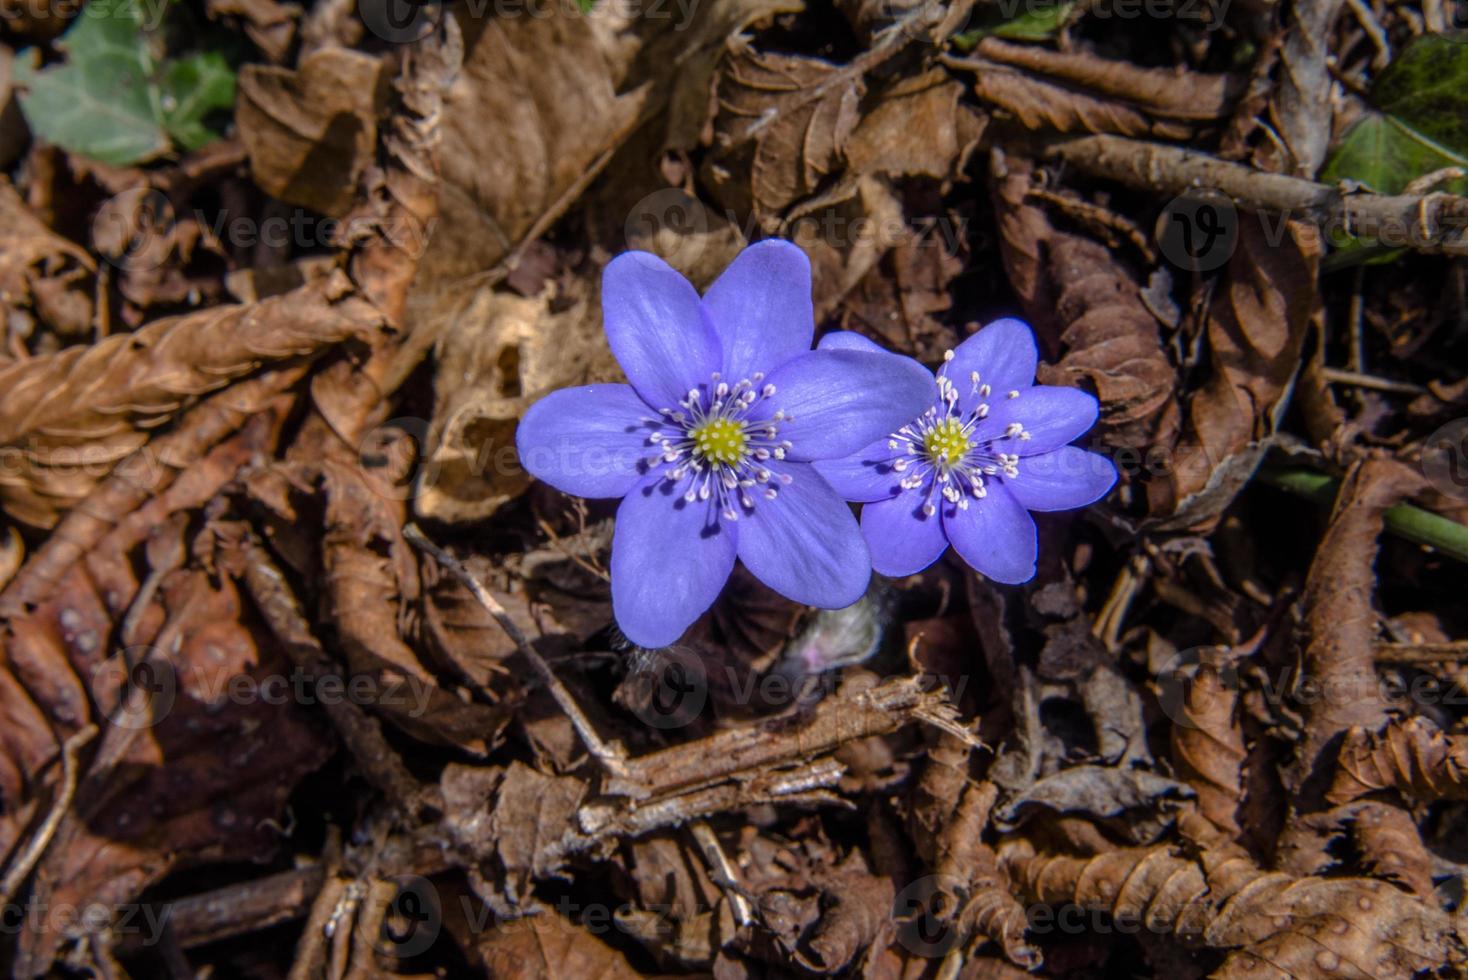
x,y
45,279
1258,319
545,946
1172,92
311,132
1208,746
509,351
781,129
1087,304
1222,900
1411,756
70,417
1390,846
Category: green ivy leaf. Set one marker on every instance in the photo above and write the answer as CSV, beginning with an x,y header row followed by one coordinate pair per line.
x,y
1037,24
102,102
193,88
1420,123
113,99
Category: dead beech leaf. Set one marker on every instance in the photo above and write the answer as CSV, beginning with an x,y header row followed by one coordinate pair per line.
x,y
1259,317
509,351
1041,104
1339,647
1080,295
918,126
1411,756
312,131
1174,93
270,24
68,418
781,130
1141,797
45,279
1208,747
546,946
1275,925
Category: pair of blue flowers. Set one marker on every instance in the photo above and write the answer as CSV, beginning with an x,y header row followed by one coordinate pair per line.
x,y
735,439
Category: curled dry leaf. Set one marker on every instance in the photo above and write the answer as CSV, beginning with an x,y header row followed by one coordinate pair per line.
x,y
69,417
1339,653
1308,927
312,131
1139,801
1172,93
1390,846
510,350
43,277
1411,756
1208,747
196,774
1258,319
1088,306
781,129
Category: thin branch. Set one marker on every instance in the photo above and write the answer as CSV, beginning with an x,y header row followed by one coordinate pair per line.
x,y
610,754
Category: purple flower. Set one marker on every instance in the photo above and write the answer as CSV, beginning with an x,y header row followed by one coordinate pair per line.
x,y
711,444
967,471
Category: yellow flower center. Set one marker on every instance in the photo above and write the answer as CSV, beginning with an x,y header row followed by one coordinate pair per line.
x,y
720,441
946,442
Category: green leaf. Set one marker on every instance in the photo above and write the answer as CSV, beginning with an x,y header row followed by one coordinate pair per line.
x,y
1037,24
114,99
193,88
101,103
1421,122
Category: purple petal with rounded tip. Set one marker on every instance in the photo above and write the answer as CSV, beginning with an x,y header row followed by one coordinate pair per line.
x,y
1052,416
1064,479
995,535
841,400
805,544
1003,353
589,441
864,475
657,328
902,539
760,307
670,558
848,340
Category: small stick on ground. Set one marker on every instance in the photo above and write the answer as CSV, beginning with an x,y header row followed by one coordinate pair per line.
x,y
610,754
26,860
723,872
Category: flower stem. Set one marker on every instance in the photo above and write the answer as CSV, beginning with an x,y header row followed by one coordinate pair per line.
x,y
1403,520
